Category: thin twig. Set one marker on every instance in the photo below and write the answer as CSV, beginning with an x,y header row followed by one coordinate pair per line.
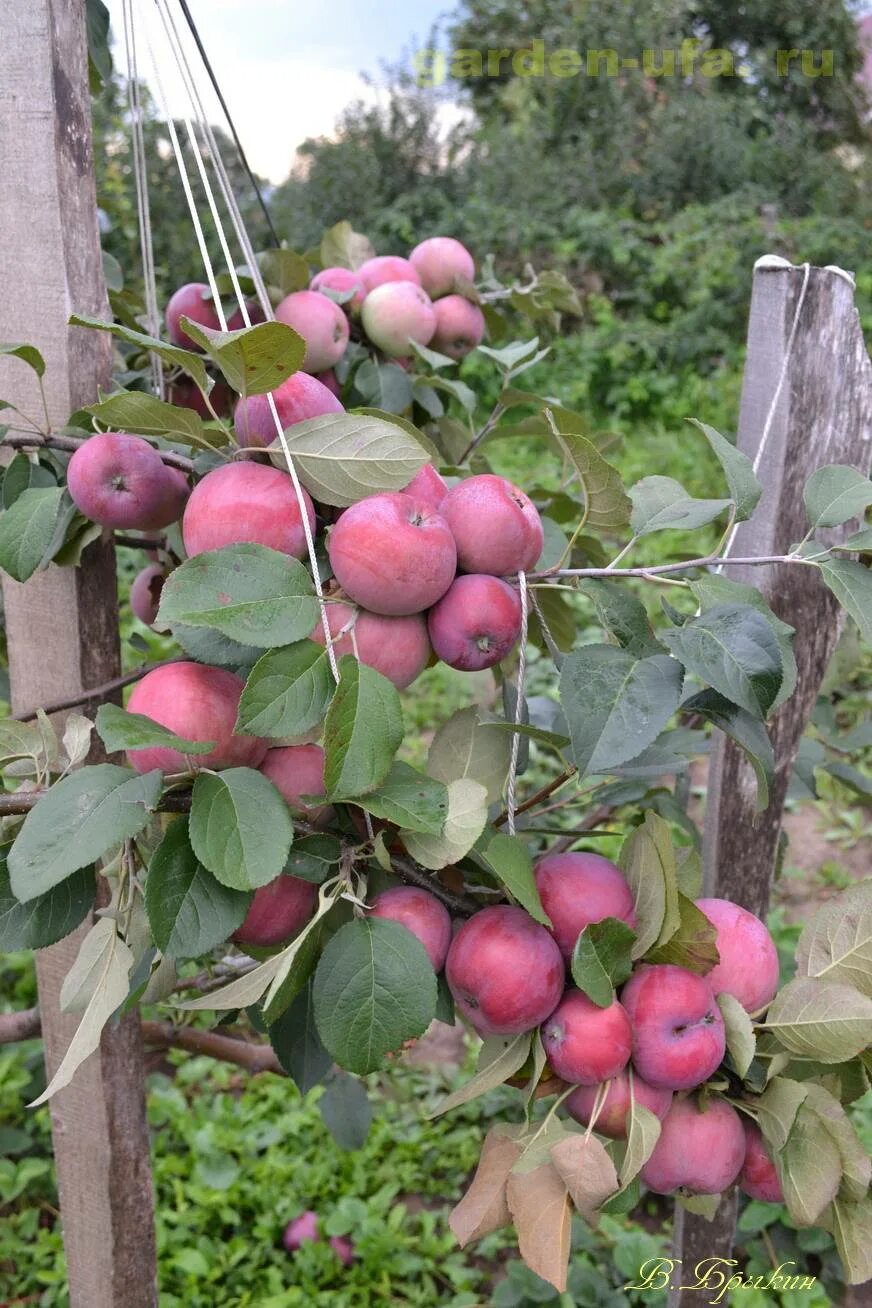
x,y
552,785
462,905
141,542
710,561
71,443
254,1057
23,1025
96,693
594,819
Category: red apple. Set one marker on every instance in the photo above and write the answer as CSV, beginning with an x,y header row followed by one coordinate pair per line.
x,y
342,280
395,315
422,914
328,379
398,648
298,397
678,1031
476,623
759,1175
504,971
386,268
322,325
246,502
392,554
577,889
145,593
613,1119
121,481
460,327
428,486
197,703
277,911
700,1152
441,262
584,1043
748,968
297,770
194,301
496,526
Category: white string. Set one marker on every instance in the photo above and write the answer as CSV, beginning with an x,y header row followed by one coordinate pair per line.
x,y
519,708
770,416
143,208
172,37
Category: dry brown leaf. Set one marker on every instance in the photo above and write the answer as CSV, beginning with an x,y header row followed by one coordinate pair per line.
x,y
587,1172
484,1208
540,1208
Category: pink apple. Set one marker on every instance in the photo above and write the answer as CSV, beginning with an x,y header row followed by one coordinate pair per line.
x,y
496,526
187,395
194,301
121,481
678,1031
246,502
759,1175
322,325
700,1152
476,623
460,327
613,1119
428,486
504,971
277,911
584,1043
396,314
297,770
329,380
343,1249
145,593
197,703
304,1227
398,648
392,554
422,914
440,262
577,889
748,967
298,397
342,280
386,268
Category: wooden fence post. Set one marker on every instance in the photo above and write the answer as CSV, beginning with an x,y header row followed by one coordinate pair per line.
x,y
62,625
824,415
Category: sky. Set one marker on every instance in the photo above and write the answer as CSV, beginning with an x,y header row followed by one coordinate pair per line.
x,y
286,67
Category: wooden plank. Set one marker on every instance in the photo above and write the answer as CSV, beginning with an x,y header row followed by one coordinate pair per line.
x,y
824,416
62,625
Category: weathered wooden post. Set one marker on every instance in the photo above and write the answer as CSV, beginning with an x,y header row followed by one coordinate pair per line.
x,y
808,328
62,626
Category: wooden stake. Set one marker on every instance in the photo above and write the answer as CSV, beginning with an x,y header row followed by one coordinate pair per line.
x,y
62,625
824,415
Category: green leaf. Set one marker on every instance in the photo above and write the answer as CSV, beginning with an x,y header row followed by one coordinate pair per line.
x,y
119,729
499,1059
464,823
746,730
28,354
49,917
508,857
314,857
836,945
27,530
296,978
409,799
777,1108
849,581
712,589
190,363
624,617
254,360
733,649
76,821
135,411
861,541
363,731
189,912
823,1020
346,1111
856,1166
605,502
643,1132
660,503
287,691
383,386
254,595
809,1168
616,704
343,247
462,749
741,1042
374,989
240,827
835,494
297,1045
692,943
23,474
745,489
206,645
542,737
602,959
647,859
851,1227
284,269
343,457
